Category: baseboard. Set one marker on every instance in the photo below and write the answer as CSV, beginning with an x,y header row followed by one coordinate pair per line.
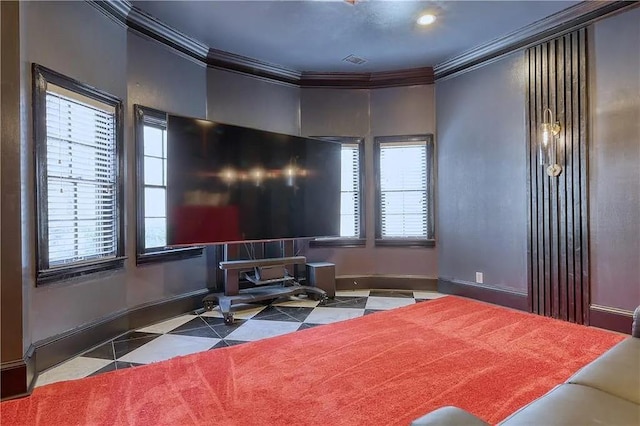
x,y
17,378
498,296
392,282
54,350
610,318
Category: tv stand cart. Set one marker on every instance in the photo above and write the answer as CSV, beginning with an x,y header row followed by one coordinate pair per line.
x,y
265,289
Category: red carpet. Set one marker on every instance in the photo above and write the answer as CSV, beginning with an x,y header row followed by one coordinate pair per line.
x,y
381,369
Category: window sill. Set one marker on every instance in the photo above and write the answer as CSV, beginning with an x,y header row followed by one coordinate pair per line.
x,y
168,255
66,272
338,242
404,242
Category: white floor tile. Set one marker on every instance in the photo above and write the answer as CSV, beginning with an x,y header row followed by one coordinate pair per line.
x,y
427,295
75,368
168,346
262,329
353,293
329,315
242,312
384,303
168,325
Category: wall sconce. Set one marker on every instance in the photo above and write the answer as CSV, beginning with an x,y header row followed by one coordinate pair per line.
x,y
547,151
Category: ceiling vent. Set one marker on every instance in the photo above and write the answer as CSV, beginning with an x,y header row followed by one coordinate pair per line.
x,y
355,60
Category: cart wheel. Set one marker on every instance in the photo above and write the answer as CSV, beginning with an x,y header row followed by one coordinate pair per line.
x,y
228,319
208,305
317,297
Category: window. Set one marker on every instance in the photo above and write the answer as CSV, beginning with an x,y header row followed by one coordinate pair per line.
x,y
78,182
351,190
151,141
404,169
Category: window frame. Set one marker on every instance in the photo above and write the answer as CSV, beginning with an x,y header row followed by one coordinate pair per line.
x,y
429,240
360,240
45,274
150,116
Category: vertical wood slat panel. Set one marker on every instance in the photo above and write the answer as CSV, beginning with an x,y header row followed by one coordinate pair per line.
x,y
530,167
569,173
558,231
547,191
575,107
533,172
540,187
562,186
553,299
584,181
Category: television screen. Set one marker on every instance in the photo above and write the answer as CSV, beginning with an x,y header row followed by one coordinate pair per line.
x,y
228,184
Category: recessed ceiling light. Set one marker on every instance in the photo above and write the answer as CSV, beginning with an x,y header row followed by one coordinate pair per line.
x,y
426,19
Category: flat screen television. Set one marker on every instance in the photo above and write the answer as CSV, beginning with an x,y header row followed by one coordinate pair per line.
x,y
230,184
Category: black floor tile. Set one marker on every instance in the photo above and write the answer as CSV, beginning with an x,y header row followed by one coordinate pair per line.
x,y
227,343
346,302
283,313
106,368
222,329
102,352
391,293
204,331
195,323
121,365
135,335
371,311
306,325
422,300
116,365
123,347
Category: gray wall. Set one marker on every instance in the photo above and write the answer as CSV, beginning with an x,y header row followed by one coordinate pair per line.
x,y
251,102
482,199
614,162
95,53
80,42
370,113
159,78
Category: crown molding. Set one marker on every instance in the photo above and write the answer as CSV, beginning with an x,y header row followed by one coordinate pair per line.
x,y
127,15
243,64
538,32
117,10
370,80
158,30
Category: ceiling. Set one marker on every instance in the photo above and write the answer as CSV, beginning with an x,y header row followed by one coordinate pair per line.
x,y
317,35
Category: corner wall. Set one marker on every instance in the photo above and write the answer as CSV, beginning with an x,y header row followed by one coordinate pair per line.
x,y
614,161
241,100
77,40
482,204
371,113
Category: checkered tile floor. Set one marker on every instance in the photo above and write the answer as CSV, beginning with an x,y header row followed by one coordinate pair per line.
x,y
192,333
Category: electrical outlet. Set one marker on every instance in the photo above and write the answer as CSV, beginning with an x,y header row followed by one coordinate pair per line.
x,y
479,277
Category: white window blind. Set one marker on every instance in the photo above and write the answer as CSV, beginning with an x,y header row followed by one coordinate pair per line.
x,y
81,178
403,189
350,191
155,186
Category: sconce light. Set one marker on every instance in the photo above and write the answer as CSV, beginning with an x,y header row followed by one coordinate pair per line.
x,y
547,151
